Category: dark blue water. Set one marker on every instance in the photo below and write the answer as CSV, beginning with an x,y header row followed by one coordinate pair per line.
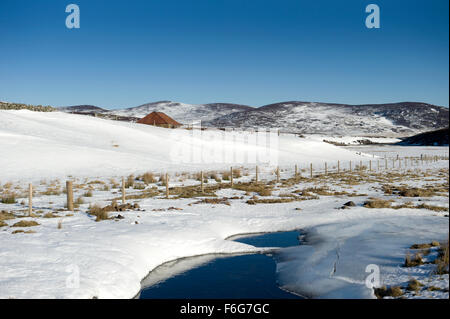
x,y
222,276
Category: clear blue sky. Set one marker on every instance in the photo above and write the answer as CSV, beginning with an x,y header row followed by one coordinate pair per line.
x,y
253,52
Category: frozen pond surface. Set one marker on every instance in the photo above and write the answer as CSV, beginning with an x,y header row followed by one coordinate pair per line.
x,y
222,276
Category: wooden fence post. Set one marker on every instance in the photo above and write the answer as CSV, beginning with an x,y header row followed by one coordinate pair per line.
x,y
167,185
350,167
278,174
123,190
256,174
370,165
231,176
296,171
30,199
69,191
339,167
360,166
311,170
385,164
201,177
326,168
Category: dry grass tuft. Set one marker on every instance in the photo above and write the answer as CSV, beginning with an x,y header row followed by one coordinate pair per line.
x,y
442,260
26,223
4,215
414,261
223,201
99,212
414,285
378,203
88,194
148,178
50,215
8,199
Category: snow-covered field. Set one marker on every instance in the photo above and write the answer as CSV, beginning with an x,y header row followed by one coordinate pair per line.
x,y
70,255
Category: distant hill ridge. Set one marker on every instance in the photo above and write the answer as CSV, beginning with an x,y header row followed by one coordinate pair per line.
x,y
389,119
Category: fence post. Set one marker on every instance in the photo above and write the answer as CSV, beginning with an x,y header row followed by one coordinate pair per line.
x,y
231,176
311,170
256,174
201,177
69,191
167,185
278,174
296,171
326,168
30,199
370,165
123,190
339,167
350,166
385,164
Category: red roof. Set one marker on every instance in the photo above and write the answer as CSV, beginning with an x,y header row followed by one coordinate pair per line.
x,y
158,118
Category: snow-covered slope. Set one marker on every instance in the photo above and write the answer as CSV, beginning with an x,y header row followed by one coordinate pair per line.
x,y
38,145
396,119
182,112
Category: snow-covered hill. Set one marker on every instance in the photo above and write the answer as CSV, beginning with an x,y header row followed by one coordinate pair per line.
x,y
395,119
182,112
385,120
37,145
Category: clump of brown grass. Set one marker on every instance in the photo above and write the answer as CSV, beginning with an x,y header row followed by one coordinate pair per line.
x,y
414,285
265,192
432,207
393,291
416,192
442,260
8,198
223,201
50,215
3,224
4,215
226,175
378,203
255,201
413,261
148,178
99,212
129,181
79,201
22,231
26,223
88,194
